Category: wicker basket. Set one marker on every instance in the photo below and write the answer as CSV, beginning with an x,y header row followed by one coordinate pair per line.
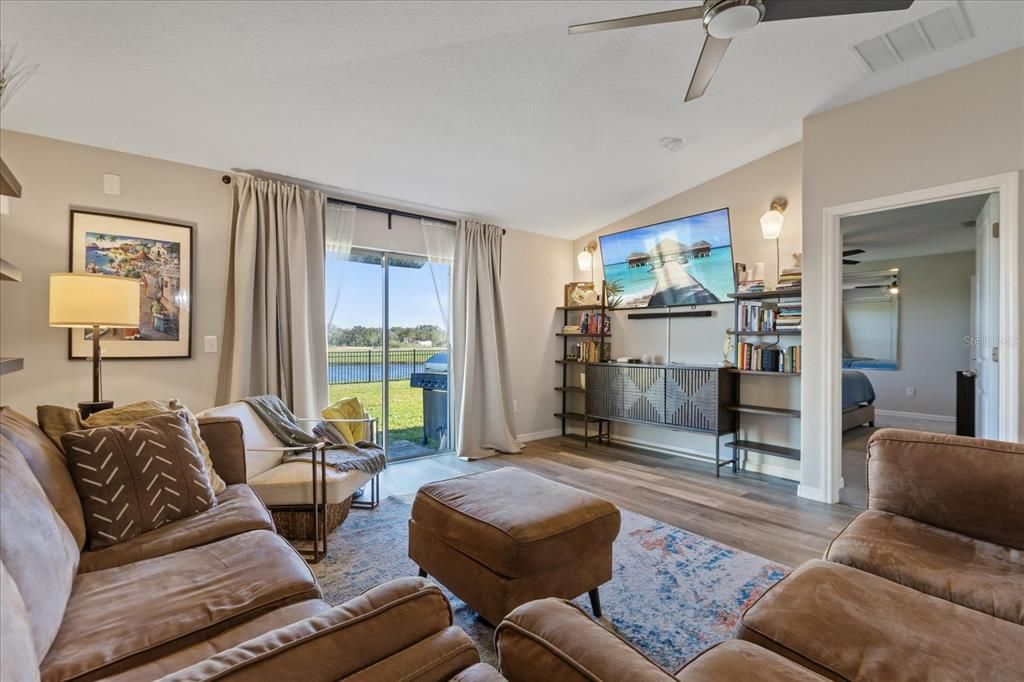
x,y
298,525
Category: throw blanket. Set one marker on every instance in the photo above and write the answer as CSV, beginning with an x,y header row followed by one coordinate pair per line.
x,y
363,456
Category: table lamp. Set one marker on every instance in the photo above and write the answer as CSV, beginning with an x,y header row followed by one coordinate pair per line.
x,y
80,300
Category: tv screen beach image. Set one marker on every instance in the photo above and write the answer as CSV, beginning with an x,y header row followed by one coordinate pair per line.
x,y
686,261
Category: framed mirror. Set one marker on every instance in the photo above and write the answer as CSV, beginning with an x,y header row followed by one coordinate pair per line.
x,y
871,320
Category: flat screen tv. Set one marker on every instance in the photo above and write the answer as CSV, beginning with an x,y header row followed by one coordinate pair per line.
x,y
681,262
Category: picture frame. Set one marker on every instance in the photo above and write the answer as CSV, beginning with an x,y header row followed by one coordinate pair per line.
x,y
581,294
155,251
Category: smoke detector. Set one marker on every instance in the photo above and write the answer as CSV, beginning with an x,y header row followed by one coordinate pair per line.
x,y
930,33
673,144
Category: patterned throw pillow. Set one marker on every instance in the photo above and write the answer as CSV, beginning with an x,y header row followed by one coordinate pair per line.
x,y
132,479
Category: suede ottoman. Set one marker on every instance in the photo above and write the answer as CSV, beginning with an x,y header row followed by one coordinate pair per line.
x,y
502,538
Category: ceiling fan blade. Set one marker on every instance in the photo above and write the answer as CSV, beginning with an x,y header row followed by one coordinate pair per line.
x,y
685,14
777,10
710,56
853,252
850,262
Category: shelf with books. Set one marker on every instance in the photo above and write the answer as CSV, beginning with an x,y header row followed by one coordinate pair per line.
x,y
734,370
769,294
777,332
584,334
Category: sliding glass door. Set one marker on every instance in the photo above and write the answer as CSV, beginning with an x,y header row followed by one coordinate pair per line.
x,y
400,377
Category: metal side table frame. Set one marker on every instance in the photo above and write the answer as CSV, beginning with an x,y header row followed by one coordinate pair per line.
x,y
371,423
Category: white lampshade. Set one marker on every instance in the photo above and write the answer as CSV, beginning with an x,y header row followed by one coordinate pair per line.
x,y
85,300
585,260
771,224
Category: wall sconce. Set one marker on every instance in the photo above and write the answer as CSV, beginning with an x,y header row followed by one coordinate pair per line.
x,y
585,258
771,222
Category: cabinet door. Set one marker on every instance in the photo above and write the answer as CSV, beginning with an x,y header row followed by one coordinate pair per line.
x,y
691,399
643,394
604,391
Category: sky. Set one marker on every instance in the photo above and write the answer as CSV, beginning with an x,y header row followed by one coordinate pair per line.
x,y
712,227
413,300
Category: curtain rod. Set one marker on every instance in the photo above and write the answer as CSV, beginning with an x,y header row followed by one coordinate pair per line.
x,y
381,209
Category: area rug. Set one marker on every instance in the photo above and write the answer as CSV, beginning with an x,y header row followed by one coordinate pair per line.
x,y
672,594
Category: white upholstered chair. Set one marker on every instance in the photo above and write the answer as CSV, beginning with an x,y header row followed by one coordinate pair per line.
x,y
287,487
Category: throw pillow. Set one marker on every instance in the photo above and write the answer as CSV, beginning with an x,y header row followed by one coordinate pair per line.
x,y
55,421
133,479
347,408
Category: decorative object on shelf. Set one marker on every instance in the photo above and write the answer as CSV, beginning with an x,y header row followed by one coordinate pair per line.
x,y
580,294
91,301
157,254
728,348
585,258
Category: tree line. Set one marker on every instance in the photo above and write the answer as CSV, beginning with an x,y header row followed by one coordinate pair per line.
x,y
371,337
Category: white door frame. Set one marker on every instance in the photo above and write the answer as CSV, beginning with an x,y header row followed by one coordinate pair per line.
x,y
829,438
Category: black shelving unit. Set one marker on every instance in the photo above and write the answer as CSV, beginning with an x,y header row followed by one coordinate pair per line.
x,y
572,392
743,445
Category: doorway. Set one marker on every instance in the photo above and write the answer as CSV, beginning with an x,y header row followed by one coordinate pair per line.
x,y
822,387
399,377
918,286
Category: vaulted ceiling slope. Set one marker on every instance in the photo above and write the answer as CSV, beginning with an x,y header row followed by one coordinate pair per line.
x,y
487,108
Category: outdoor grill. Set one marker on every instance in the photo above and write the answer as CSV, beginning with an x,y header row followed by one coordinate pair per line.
x,y
434,382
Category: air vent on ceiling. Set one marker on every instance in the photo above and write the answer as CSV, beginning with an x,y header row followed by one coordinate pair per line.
x,y
936,31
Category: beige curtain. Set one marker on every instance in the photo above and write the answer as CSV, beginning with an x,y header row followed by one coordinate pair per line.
x,y
275,336
482,416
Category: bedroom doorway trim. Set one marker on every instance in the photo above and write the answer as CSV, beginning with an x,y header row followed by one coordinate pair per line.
x,y
828,438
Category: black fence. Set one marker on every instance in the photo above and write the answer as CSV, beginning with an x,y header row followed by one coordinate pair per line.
x,y
360,366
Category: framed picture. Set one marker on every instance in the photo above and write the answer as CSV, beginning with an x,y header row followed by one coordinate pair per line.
x,y
157,253
579,294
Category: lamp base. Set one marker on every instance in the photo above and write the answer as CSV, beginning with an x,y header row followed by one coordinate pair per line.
x,y
87,409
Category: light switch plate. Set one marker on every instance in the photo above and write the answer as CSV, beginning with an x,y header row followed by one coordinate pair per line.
x,y
210,344
111,183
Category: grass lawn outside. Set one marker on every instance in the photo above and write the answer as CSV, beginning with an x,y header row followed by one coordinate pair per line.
x,y
406,414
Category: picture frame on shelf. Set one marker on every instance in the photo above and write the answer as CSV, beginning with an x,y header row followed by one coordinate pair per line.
x,y
155,251
581,294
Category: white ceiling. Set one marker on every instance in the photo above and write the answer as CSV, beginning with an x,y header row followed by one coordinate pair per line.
x,y
485,108
922,230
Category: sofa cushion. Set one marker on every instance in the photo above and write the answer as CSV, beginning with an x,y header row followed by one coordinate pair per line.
x,y
238,510
290,483
514,522
479,672
735,659
133,479
122,617
17,650
56,421
976,574
36,547
203,649
851,625
49,466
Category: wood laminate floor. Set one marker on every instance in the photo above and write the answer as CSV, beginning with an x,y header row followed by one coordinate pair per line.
x,y
758,514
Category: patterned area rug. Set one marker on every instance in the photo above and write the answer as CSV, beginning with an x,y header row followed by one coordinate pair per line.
x,y
672,595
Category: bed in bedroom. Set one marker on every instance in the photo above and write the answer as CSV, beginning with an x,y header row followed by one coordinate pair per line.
x,y
858,400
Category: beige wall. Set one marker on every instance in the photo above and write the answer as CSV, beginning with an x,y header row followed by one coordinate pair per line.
x,y
963,124
56,175
534,269
34,236
747,192
934,318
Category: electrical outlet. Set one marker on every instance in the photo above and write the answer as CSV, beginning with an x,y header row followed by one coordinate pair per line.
x,y
210,344
911,392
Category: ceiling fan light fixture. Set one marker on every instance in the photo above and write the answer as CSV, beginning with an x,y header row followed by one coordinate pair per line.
x,y
729,18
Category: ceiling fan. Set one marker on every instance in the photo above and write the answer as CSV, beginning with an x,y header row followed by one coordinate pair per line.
x,y
851,252
725,19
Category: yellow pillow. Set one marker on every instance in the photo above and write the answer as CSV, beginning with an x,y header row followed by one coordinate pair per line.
x,y
347,408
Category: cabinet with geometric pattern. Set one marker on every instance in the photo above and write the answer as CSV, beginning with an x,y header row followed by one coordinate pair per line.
x,y
680,397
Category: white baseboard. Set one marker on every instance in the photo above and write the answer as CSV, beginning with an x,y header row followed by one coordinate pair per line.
x,y
806,491
538,435
915,416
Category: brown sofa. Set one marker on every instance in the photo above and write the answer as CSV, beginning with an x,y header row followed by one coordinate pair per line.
x,y
219,594
925,584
